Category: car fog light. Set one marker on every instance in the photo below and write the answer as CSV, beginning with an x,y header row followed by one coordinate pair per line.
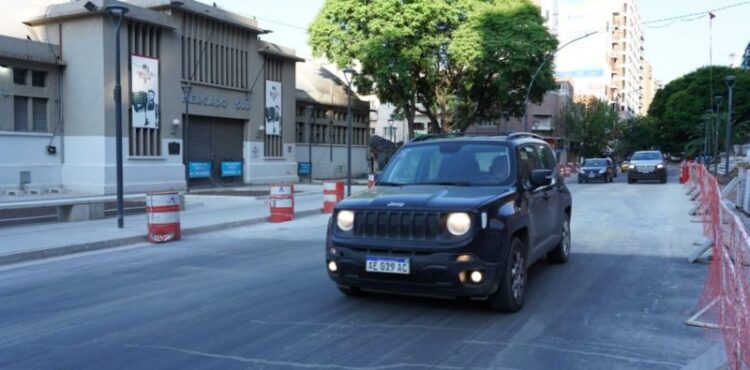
x,y
463,258
476,277
332,267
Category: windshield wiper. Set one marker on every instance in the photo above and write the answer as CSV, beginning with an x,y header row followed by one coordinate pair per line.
x,y
446,183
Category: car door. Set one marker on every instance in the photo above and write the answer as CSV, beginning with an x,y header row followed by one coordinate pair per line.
x,y
552,194
539,217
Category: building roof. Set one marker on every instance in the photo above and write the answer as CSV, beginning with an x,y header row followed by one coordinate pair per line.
x,y
27,50
77,9
317,84
208,11
279,51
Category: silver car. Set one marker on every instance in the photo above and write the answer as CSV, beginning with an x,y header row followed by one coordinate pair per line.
x,y
647,165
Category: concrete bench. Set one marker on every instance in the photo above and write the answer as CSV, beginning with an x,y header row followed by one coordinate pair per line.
x,y
79,208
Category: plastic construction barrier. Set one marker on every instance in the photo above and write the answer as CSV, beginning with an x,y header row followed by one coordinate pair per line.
x,y
370,180
163,213
333,192
282,203
726,295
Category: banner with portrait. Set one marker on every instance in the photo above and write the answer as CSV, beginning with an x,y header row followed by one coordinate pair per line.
x,y
144,92
273,108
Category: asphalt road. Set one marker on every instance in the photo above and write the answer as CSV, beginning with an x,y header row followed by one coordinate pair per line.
x,y
259,297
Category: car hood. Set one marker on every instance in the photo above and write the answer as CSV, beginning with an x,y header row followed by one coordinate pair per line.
x,y
421,197
646,162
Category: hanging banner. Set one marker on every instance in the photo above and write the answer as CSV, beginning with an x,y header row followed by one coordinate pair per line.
x,y
273,108
144,91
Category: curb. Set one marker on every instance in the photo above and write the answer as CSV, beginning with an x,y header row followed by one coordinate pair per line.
x,y
114,243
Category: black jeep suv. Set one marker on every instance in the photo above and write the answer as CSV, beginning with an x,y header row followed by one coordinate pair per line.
x,y
455,216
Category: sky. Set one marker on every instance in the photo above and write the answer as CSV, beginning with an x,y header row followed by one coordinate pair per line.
x,y
673,50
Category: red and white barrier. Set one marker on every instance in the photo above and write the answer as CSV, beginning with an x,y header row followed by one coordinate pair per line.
x,y
163,214
726,293
333,192
282,203
370,180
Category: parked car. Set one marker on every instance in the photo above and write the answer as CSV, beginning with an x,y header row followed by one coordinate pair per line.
x,y
596,169
454,217
647,165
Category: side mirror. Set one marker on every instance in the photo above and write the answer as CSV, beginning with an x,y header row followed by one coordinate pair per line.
x,y
541,178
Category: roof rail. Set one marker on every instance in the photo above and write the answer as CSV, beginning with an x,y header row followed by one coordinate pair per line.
x,y
436,136
519,135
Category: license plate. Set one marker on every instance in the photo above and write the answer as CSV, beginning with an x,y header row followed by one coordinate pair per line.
x,y
388,265
592,174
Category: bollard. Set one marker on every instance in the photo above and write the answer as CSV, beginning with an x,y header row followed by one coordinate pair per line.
x,y
282,203
370,180
567,171
163,214
333,192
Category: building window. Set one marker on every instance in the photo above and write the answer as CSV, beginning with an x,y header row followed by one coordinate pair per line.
x,y
38,78
39,114
19,76
372,131
21,113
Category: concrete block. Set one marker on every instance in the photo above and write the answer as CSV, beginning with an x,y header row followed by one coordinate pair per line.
x,y
96,211
75,212
35,191
11,193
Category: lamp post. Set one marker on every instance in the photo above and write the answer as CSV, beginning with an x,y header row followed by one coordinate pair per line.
x,y
730,84
116,13
310,110
349,76
717,104
547,58
186,93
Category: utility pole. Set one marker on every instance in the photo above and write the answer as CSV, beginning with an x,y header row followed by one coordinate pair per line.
x,y
730,84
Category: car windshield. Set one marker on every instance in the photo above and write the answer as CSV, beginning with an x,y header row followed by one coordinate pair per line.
x,y
646,156
595,163
450,163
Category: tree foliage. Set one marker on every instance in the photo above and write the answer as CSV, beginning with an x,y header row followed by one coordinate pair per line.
x,y
679,109
637,133
590,126
455,61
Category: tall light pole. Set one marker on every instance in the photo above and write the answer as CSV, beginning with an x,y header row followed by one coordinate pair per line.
x,y
116,13
310,109
730,84
349,76
547,58
186,94
717,124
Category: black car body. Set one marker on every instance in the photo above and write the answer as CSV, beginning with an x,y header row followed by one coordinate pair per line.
x,y
647,165
412,230
597,169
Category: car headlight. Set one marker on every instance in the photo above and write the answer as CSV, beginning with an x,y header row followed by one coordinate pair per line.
x,y
631,166
659,165
345,220
601,172
458,223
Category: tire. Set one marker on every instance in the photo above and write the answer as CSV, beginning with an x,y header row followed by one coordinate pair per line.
x,y
351,291
663,180
631,181
561,253
580,181
510,295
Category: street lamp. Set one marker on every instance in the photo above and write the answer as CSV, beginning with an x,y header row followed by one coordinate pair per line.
x,y
116,13
186,93
717,109
349,76
730,83
707,120
547,58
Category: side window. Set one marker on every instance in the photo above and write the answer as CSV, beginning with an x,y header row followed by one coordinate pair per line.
x,y
546,156
528,161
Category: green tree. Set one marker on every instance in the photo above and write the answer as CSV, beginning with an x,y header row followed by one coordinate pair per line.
x,y
455,61
591,126
637,133
678,110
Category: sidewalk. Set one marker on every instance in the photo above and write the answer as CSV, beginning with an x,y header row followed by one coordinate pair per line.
x,y
203,213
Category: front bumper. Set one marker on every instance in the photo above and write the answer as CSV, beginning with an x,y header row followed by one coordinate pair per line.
x,y
657,174
597,176
431,274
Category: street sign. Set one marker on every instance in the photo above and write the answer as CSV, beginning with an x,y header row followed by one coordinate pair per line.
x,y
199,169
304,168
231,168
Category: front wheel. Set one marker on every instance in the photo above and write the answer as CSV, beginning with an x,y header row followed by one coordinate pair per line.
x,y
631,181
510,294
663,179
561,253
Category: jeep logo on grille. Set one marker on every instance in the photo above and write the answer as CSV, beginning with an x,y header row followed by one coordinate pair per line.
x,y
396,204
